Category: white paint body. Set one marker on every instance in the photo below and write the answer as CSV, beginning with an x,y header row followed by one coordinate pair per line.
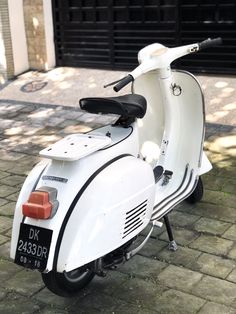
x,y
101,187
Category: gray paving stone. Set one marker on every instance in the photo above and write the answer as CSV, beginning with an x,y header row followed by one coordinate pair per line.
x,y
230,233
47,297
173,301
6,165
25,282
13,180
96,303
13,197
179,278
6,190
139,292
182,219
212,244
213,265
182,236
153,247
5,250
143,267
3,201
8,270
3,239
232,276
212,226
8,209
18,304
182,257
215,211
216,290
215,308
5,223
221,198
3,294
3,174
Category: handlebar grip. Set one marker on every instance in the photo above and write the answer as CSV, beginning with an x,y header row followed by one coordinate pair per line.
x,y
210,43
123,82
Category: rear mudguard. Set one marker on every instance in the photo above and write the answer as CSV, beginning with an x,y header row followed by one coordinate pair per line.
x,y
100,206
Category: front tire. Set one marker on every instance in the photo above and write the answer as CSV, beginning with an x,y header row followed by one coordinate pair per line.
x,y
197,194
68,284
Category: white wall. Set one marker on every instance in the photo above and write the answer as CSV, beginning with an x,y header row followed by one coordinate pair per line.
x,y
49,34
19,46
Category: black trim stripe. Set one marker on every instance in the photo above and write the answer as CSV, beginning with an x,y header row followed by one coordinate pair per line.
x,y
73,204
171,195
180,200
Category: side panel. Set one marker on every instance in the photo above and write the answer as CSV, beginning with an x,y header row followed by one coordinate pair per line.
x,y
114,208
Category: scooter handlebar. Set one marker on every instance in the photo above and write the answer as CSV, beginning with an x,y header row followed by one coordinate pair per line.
x,y
123,82
208,43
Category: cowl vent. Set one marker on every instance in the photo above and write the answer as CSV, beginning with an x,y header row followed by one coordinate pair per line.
x,y
134,218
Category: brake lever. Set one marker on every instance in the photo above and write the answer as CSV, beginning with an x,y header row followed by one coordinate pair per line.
x,y
112,83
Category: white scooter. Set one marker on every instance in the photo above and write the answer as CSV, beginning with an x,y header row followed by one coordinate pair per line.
x,y
81,209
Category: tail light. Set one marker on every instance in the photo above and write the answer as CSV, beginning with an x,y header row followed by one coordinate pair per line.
x,y
42,203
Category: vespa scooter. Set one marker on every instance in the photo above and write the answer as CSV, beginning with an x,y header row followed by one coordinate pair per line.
x,y
81,209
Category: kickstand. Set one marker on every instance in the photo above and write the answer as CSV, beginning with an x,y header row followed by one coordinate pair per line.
x,y
172,244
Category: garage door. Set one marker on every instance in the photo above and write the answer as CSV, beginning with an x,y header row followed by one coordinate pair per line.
x,y
109,33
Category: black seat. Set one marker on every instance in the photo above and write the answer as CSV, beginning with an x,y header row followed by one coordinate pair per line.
x,y
131,105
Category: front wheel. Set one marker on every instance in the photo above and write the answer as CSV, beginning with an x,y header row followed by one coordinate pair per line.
x,y
197,194
68,284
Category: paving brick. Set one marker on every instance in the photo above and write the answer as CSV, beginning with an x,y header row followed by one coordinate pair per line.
x,y
139,292
179,278
212,244
215,308
182,236
5,250
13,197
5,223
230,233
8,270
173,301
215,211
212,226
143,267
3,239
12,180
47,297
152,248
216,290
213,265
182,257
3,201
6,190
8,209
3,174
221,198
18,304
25,282
182,219
6,165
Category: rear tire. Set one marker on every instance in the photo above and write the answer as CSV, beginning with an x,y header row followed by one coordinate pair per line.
x,y
197,194
68,284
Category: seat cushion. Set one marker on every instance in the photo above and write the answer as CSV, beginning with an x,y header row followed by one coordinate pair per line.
x,y
130,105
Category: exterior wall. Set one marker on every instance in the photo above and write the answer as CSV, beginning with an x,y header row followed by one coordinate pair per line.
x,y
37,15
6,54
19,45
26,37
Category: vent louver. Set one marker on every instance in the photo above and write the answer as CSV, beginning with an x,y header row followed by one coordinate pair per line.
x,y
134,218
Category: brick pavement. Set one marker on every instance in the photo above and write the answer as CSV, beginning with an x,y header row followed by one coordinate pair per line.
x,y
200,277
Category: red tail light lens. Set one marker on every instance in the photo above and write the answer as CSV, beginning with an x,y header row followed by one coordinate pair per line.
x,y
42,204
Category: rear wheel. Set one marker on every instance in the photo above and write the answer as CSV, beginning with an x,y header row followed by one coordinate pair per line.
x,y
68,284
197,194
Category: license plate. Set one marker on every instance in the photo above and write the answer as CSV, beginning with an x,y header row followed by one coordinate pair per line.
x,y
33,247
